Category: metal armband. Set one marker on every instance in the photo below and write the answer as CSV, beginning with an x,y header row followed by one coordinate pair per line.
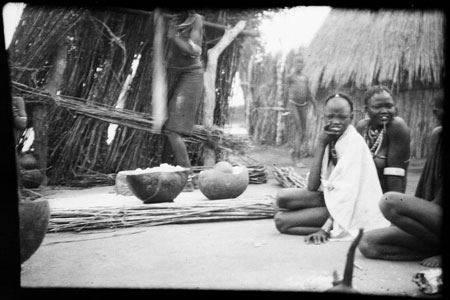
x,y
394,171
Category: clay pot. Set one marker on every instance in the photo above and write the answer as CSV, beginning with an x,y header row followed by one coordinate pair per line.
x,y
216,184
156,187
33,222
28,162
32,179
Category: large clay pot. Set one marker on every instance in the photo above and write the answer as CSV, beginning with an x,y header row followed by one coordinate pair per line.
x,y
33,222
155,187
220,183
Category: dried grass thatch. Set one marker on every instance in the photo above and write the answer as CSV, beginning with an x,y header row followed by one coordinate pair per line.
x,y
403,49
364,47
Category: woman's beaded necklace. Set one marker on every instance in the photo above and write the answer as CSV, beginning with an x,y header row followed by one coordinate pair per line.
x,y
374,139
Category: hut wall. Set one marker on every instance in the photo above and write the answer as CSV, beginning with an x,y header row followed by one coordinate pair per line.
x,y
416,108
102,47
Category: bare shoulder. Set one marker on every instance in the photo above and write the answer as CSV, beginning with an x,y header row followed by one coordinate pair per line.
x,y
361,125
398,121
399,126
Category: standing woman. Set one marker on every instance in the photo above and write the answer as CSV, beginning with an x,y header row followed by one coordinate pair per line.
x,y
388,138
184,62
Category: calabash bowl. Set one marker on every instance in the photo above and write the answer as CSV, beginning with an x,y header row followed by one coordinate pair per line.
x,y
156,187
215,184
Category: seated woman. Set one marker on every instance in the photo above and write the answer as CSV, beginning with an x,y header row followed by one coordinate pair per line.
x,y
387,136
343,186
417,220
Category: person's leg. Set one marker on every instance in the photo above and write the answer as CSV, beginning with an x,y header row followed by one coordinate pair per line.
x,y
303,110
295,198
295,152
302,212
415,216
392,243
301,222
179,149
181,157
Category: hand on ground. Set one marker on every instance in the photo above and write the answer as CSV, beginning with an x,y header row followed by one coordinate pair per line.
x,y
317,238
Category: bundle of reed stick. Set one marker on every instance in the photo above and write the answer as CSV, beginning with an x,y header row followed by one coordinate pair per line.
x,y
287,177
257,173
125,117
159,214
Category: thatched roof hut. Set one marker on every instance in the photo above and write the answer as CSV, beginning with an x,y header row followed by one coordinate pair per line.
x,y
403,49
362,47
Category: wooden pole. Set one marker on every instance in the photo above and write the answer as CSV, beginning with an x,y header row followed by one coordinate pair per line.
x,y
210,85
246,88
279,94
159,85
39,113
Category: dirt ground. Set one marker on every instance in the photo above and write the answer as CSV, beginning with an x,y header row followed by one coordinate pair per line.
x,y
238,256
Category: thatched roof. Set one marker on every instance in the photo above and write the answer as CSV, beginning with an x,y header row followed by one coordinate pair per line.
x,y
363,47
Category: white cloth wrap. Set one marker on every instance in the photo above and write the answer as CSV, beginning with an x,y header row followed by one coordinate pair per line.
x,y
352,189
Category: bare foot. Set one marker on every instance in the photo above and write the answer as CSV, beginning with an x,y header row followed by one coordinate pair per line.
x,y
432,262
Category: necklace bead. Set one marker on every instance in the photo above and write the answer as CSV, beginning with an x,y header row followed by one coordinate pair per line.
x,y
374,139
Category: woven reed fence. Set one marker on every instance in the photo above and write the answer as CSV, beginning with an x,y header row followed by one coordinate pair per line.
x,y
101,47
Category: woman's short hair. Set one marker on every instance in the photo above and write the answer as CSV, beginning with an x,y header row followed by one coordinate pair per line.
x,y
377,89
340,95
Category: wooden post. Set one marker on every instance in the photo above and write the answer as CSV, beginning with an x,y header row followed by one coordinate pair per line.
x,y
39,113
209,104
246,80
159,85
279,94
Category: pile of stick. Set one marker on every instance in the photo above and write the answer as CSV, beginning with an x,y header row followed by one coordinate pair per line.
x,y
288,178
92,178
159,214
257,174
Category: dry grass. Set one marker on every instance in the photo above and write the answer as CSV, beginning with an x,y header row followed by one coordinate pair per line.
x,y
364,47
